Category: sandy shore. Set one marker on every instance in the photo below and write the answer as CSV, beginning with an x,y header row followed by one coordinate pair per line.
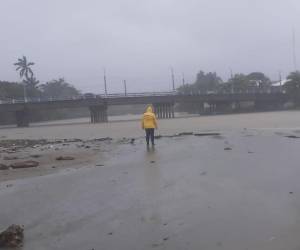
x,y
235,190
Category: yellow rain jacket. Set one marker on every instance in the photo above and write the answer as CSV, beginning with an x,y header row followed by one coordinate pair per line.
x,y
149,119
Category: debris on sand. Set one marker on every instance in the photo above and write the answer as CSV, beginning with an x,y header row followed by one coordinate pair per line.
x,y
24,164
185,133
207,134
292,136
175,135
102,139
152,162
228,148
3,166
65,158
10,158
12,237
35,156
69,140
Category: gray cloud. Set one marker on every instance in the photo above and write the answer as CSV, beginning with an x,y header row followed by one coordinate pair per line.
x,y
138,40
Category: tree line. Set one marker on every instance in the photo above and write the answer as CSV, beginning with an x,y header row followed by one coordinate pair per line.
x,y
255,82
31,88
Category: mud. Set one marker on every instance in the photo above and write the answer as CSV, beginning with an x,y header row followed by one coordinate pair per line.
x,y
185,193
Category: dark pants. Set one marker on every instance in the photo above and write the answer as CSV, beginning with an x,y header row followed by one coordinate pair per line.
x,y
149,134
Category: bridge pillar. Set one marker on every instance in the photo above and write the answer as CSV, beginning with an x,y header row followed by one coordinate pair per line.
x,y
172,111
164,110
201,108
157,110
98,114
164,113
22,118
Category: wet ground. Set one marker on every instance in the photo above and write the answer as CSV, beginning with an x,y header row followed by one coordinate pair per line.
x,y
237,190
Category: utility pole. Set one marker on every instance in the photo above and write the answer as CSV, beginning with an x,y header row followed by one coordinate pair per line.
x,y
125,87
173,79
294,50
231,74
280,80
183,80
105,86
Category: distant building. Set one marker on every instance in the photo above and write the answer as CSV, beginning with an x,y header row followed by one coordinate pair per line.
x,y
278,86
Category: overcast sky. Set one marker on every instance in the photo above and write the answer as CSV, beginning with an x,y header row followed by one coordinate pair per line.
x,y
139,40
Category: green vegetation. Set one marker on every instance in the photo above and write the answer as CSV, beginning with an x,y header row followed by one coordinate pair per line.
x,y
292,86
239,83
30,88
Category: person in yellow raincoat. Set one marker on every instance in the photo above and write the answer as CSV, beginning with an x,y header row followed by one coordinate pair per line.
x,y
149,123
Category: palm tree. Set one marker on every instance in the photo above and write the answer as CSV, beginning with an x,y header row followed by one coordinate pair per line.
x,y
25,71
31,81
24,68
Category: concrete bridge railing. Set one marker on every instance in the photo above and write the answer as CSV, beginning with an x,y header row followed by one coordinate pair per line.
x,y
163,103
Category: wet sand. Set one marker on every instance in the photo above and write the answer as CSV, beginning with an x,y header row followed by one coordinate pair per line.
x,y
238,190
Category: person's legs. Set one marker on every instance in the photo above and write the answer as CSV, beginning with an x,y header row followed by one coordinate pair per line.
x,y
152,135
147,135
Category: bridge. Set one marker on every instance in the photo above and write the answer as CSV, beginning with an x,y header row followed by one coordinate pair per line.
x,y
162,102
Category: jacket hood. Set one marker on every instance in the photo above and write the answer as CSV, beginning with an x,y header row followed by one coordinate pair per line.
x,y
149,109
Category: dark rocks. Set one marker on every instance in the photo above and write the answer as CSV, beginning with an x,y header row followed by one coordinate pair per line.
x,y
65,158
12,237
125,140
227,148
24,164
207,134
3,167
35,156
185,133
10,158
292,136
72,140
103,139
